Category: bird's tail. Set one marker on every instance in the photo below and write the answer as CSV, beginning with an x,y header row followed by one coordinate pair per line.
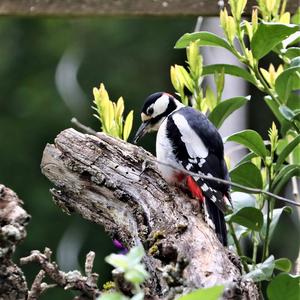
x,y
215,219
213,214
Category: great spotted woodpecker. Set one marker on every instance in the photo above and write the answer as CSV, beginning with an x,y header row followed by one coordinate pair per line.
x,y
187,140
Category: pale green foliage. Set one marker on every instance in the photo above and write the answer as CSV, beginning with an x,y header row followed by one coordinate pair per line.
x,y
132,269
252,217
212,293
261,168
110,114
130,264
113,296
273,136
191,78
228,24
180,79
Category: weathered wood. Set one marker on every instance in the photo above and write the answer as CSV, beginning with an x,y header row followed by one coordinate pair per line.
x,y
13,221
101,178
119,7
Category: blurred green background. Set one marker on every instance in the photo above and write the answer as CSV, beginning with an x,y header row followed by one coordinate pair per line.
x,y
37,102
39,94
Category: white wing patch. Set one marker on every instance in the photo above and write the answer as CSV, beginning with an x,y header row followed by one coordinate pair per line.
x,y
194,145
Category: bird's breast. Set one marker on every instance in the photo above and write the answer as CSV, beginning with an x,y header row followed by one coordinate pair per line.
x,y
166,160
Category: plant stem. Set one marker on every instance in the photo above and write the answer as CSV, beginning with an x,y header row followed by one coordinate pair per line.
x,y
241,39
255,246
269,219
266,242
238,246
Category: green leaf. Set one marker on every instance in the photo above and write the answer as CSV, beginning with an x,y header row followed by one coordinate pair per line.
x,y
240,200
136,275
203,38
294,101
138,296
250,139
286,151
268,35
249,217
211,99
230,70
276,216
287,173
284,286
225,108
247,158
212,293
287,113
291,52
292,40
184,77
125,262
248,175
262,271
275,109
296,16
135,255
119,261
112,296
287,81
295,62
283,264
241,231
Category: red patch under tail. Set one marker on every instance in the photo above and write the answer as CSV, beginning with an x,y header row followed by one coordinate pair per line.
x,y
194,189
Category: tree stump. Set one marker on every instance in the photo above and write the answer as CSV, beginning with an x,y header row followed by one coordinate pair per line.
x,y
103,179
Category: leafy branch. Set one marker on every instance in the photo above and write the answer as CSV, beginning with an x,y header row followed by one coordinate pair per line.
x,y
265,169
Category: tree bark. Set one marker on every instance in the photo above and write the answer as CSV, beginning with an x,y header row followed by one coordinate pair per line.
x,y
103,179
13,220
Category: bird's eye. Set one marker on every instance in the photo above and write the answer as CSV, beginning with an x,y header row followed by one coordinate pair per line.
x,y
150,111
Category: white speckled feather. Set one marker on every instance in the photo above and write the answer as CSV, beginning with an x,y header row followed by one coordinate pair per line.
x,y
192,141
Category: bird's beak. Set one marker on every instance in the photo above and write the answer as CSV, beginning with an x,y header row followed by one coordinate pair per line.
x,y
143,129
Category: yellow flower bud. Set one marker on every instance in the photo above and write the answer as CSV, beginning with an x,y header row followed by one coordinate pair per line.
x,y
249,30
194,60
270,4
285,18
231,29
254,20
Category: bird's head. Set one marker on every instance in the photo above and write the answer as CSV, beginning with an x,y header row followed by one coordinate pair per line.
x,y
156,108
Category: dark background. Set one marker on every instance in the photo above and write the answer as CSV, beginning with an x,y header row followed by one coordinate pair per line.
x,y
132,56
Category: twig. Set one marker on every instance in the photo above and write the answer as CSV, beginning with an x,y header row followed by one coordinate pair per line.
x,y
238,246
209,178
87,285
83,127
38,286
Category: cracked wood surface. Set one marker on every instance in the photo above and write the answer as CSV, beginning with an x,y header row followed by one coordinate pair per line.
x,y
101,179
13,221
120,7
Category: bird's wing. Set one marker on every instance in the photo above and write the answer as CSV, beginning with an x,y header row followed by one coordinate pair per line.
x,y
198,147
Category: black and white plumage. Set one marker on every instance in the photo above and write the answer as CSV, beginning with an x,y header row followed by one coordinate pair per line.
x,y
187,140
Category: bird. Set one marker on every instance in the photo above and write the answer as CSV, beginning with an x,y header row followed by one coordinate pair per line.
x,y
188,144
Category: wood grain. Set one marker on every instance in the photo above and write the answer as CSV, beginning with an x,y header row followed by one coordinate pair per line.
x,y
101,179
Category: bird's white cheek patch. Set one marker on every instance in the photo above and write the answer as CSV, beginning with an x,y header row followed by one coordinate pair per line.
x,y
160,105
194,145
